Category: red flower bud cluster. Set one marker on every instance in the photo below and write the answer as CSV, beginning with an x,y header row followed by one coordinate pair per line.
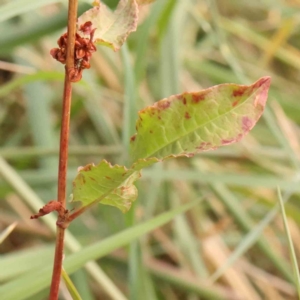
x,y
84,48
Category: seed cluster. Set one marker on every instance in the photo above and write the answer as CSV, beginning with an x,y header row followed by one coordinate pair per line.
x,y
84,48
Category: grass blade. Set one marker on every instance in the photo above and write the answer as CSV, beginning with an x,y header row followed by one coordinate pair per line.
x,y
18,7
248,241
71,287
291,246
6,232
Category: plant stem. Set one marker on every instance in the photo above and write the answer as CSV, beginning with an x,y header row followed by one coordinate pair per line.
x,y
63,151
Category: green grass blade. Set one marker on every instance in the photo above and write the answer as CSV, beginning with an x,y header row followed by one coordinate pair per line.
x,y
40,123
18,7
42,26
143,40
130,100
93,105
129,112
81,280
290,242
227,179
22,261
7,88
70,285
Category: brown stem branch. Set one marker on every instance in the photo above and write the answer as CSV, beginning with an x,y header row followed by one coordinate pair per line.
x,y
63,153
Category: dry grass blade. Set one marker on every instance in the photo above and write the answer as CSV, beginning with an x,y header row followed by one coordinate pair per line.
x,y
6,232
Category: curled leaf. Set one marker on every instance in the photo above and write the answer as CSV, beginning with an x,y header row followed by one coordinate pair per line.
x,y
185,124
112,27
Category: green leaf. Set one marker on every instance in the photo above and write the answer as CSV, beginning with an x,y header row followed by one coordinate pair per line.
x,y
185,124
107,184
113,27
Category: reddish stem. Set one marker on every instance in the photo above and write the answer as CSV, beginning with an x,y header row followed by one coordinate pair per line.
x,y
63,153
57,266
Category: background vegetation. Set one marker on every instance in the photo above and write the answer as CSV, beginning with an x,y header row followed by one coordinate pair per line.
x,y
232,245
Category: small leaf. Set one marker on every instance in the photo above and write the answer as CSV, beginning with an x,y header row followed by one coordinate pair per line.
x,y
107,184
185,124
113,27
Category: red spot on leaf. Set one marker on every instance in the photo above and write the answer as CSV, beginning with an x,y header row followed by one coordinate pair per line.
x,y
81,179
132,139
247,124
163,104
198,97
107,177
151,131
235,103
187,115
184,101
142,111
239,91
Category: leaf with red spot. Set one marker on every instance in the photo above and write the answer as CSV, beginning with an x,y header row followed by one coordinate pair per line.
x,y
107,184
112,27
185,124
